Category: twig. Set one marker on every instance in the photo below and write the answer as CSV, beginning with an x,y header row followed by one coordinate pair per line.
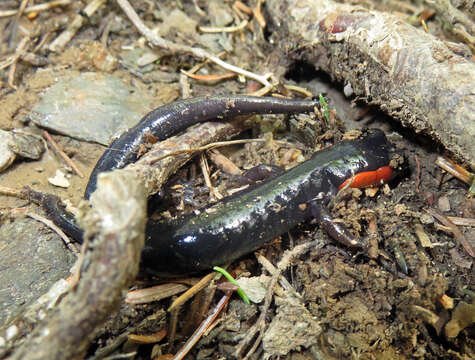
x,y
183,298
56,229
214,194
21,194
453,228
148,339
210,78
258,14
114,263
198,9
219,144
156,40
14,26
242,7
36,8
154,293
74,26
203,327
462,221
227,29
299,89
61,153
20,51
455,170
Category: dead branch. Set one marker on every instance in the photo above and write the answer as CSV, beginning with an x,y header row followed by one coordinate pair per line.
x,y
155,173
172,47
116,221
426,83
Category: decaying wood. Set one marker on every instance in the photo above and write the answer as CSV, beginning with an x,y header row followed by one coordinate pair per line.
x,y
117,223
110,271
155,173
426,83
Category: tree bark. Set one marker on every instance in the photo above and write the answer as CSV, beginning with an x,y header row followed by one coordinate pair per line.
x,y
117,223
425,83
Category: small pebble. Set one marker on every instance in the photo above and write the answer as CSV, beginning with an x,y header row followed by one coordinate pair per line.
x,y
426,219
443,204
6,155
59,180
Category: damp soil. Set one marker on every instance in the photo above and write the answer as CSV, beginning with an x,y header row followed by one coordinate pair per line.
x,y
368,304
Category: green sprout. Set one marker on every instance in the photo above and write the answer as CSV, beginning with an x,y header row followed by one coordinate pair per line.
x,y
324,104
228,276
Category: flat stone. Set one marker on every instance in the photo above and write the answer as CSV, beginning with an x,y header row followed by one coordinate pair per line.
x,y
91,106
32,259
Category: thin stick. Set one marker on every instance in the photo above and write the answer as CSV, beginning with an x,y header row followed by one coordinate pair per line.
x,y
210,77
218,144
36,8
458,235
183,298
227,29
74,26
56,229
418,174
61,153
202,328
156,40
462,221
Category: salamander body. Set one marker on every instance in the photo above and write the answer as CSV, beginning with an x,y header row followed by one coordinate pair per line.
x,y
241,223
228,229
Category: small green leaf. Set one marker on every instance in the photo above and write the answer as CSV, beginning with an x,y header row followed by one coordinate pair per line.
x,y
324,105
228,276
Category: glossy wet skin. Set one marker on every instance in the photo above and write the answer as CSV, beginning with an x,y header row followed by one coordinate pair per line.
x,y
166,121
241,223
170,119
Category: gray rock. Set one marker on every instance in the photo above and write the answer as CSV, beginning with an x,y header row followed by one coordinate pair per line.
x,y
91,106
32,259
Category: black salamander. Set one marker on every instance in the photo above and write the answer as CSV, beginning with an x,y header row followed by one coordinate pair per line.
x,y
166,121
241,223
245,221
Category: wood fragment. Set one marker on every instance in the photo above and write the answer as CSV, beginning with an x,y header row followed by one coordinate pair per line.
x,y
55,228
257,11
458,235
148,339
62,154
154,293
191,291
78,21
36,8
203,327
243,7
111,267
422,236
462,221
210,78
223,163
158,41
455,170
226,29
425,83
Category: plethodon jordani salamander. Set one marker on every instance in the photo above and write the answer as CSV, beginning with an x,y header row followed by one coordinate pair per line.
x,y
228,229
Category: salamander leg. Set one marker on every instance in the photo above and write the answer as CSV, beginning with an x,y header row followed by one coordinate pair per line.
x,y
337,231
258,173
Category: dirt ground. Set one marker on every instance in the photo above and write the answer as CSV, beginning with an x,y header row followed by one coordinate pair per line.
x,y
411,294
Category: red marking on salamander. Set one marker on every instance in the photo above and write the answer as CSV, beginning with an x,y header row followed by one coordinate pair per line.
x,y
369,178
